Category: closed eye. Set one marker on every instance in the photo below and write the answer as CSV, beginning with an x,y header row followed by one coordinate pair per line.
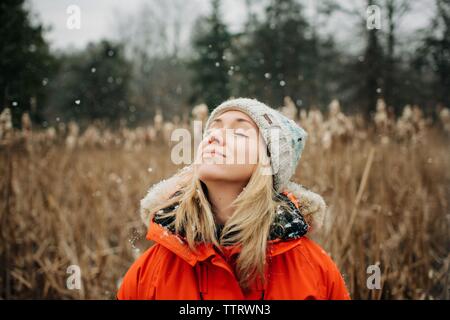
x,y
240,134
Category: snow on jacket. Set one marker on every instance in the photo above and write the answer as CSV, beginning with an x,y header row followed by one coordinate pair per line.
x,y
298,267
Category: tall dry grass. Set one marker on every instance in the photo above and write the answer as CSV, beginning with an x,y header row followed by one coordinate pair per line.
x,y
64,202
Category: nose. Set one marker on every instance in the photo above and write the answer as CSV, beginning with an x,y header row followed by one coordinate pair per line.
x,y
216,136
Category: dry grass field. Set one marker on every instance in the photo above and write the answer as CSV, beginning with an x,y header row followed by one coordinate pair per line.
x,y
72,198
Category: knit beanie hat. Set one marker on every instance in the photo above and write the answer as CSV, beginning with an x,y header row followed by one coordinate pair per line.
x,y
284,138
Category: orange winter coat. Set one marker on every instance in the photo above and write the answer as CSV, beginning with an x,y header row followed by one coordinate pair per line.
x,y
298,268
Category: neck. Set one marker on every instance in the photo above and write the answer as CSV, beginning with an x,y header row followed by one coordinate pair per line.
x,y
221,195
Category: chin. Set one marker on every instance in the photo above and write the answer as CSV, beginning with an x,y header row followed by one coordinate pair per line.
x,y
212,171
222,172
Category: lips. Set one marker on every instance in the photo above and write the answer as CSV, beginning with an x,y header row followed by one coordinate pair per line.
x,y
214,153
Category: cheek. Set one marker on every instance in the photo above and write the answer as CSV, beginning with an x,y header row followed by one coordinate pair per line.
x,y
241,161
244,151
252,152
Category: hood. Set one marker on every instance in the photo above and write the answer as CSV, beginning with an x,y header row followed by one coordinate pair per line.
x,y
311,205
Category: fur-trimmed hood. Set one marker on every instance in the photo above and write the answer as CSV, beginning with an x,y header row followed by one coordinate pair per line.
x,y
311,205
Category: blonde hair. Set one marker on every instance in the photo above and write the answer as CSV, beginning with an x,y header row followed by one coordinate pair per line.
x,y
249,226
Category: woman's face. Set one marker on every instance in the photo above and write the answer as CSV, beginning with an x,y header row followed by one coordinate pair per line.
x,y
229,151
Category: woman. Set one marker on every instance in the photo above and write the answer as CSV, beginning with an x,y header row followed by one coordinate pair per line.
x,y
232,225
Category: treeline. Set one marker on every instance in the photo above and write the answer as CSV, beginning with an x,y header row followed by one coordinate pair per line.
x,y
280,51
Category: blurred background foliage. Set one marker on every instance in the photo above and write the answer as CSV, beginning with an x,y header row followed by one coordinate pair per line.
x,y
146,68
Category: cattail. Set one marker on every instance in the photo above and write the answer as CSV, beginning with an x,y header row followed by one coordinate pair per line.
x,y
72,137
90,137
338,124
289,109
108,138
312,121
303,115
383,124
334,108
381,117
150,134
326,140
158,120
50,135
26,122
411,125
200,112
5,124
167,130
444,116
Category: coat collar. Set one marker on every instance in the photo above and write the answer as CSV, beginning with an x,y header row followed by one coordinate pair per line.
x,y
177,245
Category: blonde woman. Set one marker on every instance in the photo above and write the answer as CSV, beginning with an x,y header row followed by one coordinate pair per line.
x,y
233,225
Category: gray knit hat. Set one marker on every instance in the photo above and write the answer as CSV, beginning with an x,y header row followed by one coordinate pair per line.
x,y
285,139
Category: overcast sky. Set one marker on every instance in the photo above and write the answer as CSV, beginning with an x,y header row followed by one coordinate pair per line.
x,y
97,17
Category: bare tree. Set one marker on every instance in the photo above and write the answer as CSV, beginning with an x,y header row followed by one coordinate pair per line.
x,y
156,39
395,10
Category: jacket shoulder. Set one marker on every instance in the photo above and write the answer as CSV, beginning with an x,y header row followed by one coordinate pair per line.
x,y
139,281
326,268
314,252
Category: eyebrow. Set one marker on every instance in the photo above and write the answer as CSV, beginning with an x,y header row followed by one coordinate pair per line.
x,y
239,120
